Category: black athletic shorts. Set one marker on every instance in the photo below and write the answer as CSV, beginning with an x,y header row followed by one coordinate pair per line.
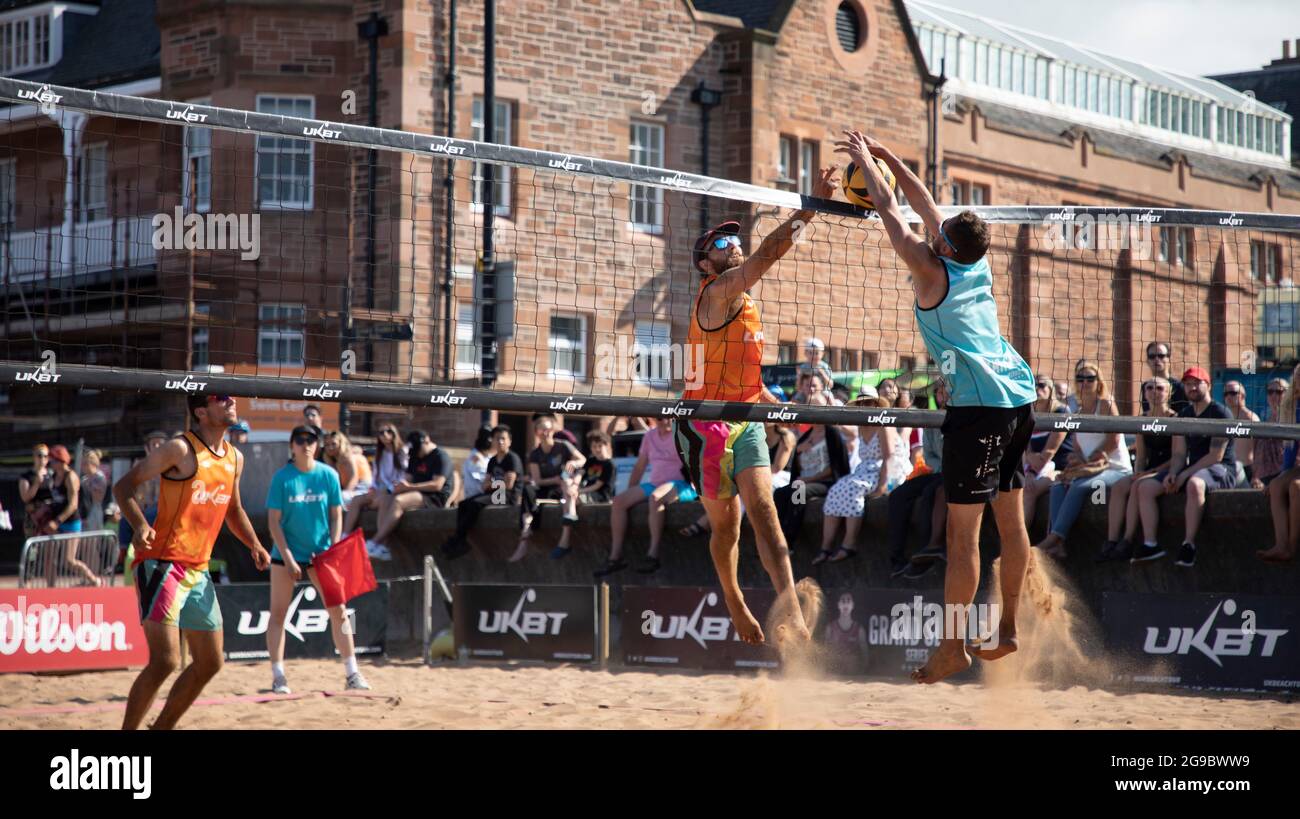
x,y
982,447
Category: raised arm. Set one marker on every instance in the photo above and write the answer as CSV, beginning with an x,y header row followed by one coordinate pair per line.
x,y
731,284
151,466
918,197
928,274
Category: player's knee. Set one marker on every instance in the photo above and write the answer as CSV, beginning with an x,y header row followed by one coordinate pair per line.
x,y
164,664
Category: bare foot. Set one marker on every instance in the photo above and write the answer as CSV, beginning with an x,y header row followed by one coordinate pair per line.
x,y
520,552
1274,555
998,645
951,658
747,627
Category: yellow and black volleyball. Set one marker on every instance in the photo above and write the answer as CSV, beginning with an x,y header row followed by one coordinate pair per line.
x,y
855,183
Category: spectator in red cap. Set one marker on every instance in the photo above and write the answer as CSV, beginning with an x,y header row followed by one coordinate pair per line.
x,y
1199,463
65,496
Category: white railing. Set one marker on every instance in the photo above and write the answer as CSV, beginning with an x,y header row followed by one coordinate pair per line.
x,y
92,248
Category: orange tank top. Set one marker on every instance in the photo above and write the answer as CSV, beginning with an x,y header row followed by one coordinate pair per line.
x,y
191,510
732,357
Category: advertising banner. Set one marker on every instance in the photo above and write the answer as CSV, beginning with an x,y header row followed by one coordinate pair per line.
x,y
70,629
513,622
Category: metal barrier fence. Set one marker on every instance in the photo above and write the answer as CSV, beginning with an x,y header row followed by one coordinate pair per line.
x,y
66,560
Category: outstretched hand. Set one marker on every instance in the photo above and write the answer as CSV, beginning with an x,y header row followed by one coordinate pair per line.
x,y
824,187
856,145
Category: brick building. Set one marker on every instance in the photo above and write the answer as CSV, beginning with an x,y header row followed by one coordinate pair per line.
x,y
594,263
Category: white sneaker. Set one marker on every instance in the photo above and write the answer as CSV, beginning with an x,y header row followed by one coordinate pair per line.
x,y
279,685
356,682
378,551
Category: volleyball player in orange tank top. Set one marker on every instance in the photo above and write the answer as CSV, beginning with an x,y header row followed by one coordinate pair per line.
x,y
726,460
200,474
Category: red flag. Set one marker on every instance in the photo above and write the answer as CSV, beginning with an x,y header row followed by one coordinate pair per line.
x,y
344,570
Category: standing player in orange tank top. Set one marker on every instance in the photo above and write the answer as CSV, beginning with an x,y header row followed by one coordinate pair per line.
x,y
200,474
728,461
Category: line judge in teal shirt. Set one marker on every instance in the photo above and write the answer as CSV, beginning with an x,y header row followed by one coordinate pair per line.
x,y
304,510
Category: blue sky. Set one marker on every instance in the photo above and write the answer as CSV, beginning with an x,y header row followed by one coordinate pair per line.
x,y
1197,36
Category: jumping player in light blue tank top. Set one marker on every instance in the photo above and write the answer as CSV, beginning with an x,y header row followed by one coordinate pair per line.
x,y
989,416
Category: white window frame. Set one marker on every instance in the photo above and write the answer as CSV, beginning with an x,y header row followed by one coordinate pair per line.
x,y
560,344
92,182
1163,245
651,199
807,161
198,146
33,23
281,331
650,334
1183,245
502,175
467,335
269,145
200,342
785,160
8,189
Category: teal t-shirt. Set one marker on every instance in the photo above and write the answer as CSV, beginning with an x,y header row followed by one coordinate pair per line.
x,y
962,335
304,500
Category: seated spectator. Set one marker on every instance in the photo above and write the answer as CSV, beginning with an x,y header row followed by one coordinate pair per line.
x,y
552,476
1153,453
665,486
1063,395
1269,453
1047,452
1283,488
390,467
355,477
501,487
819,460
474,470
1198,464
1160,362
926,489
596,486
813,350
1099,460
1234,398
311,416
427,484
875,475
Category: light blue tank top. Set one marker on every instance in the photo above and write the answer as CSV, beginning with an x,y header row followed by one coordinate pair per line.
x,y
980,367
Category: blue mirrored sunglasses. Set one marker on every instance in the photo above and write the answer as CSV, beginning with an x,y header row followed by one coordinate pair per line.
x,y
721,242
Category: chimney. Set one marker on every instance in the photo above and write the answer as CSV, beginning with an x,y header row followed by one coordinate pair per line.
x,y
1286,49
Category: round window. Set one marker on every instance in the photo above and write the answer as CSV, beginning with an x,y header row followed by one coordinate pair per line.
x,y
848,27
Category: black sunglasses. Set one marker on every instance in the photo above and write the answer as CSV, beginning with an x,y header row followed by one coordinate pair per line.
x,y
1276,391
1081,379
303,440
385,432
1043,385
1231,392
1157,355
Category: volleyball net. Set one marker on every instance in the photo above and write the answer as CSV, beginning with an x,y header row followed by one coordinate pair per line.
x,y
165,247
